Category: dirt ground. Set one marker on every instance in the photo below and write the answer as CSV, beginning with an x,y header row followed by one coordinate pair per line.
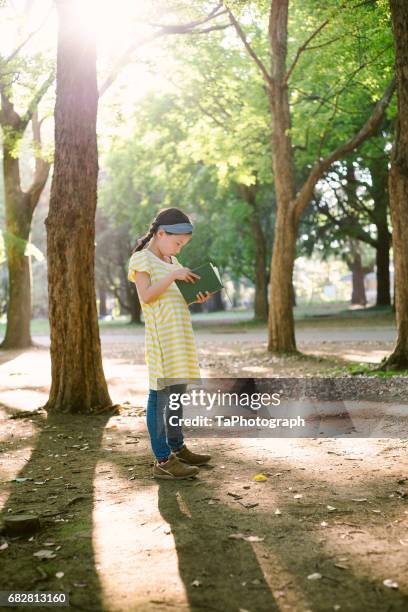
x,y
323,531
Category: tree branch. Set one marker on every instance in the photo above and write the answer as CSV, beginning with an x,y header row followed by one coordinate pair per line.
x,y
251,52
39,94
303,48
27,39
322,165
42,167
164,30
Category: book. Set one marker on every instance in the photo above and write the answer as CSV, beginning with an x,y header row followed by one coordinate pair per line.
x,y
209,280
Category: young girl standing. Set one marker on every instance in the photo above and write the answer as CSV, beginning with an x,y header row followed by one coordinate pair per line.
x,y
169,341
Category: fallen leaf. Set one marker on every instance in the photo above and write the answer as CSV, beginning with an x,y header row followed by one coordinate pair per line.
x,y
260,478
331,508
391,584
44,554
254,539
315,576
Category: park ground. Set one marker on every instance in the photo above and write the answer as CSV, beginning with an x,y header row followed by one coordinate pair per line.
x,y
323,532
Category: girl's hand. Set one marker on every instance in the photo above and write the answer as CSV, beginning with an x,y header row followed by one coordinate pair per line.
x,y
201,297
185,274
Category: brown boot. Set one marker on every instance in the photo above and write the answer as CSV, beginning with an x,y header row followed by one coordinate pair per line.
x,y
173,469
187,456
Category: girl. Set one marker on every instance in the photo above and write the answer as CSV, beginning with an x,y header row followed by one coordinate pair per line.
x,y
169,341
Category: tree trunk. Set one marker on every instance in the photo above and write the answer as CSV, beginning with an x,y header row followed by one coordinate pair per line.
x,y
78,382
383,266
19,206
103,311
398,186
18,224
358,294
281,337
281,319
133,301
215,303
379,192
248,193
261,296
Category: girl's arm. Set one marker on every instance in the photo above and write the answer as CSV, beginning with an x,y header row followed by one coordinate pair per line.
x,y
148,292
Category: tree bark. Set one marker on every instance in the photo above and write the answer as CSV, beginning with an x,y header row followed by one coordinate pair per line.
x,y
78,382
398,186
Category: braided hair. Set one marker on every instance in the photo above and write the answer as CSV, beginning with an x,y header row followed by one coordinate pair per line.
x,y
166,216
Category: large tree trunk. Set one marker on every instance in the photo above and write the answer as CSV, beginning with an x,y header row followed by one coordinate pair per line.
x,y
78,382
281,321
398,186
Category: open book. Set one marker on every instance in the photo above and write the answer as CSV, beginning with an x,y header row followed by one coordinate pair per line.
x,y
210,281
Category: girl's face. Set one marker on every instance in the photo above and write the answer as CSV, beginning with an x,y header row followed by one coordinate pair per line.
x,y
171,244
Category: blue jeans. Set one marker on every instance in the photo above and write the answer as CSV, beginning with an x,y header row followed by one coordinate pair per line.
x,y
164,437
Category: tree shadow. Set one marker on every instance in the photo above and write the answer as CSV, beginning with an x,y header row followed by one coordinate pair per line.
x,y
65,510
233,576
212,566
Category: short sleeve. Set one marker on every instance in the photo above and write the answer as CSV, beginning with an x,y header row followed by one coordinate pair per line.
x,y
139,262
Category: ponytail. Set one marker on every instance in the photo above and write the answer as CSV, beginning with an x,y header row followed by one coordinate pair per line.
x,y
141,242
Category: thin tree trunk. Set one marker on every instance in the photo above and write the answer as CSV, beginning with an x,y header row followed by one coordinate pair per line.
x,y
358,294
379,191
383,266
398,186
261,296
78,382
248,194
215,303
18,223
19,207
103,311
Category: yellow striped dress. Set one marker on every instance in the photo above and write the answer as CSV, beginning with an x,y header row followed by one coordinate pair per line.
x,y
170,349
